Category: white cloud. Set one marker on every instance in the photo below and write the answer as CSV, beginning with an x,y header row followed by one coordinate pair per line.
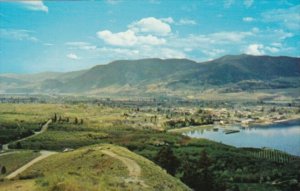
x,y
118,52
225,37
255,49
81,45
167,20
289,18
213,52
248,3
272,49
228,3
128,38
17,34
35,5
187,22
48,44
248,19
140,52
73,56
151,25
170,53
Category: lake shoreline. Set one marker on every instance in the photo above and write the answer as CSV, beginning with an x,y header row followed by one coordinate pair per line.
x,y
226,126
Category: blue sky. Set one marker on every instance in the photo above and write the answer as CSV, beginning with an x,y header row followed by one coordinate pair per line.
x,y
61,36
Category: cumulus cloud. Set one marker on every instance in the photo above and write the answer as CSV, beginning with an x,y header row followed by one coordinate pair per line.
x,y
248,19
72,56
17,34
81,45
128,38
289,18
255,49
36,5
151,25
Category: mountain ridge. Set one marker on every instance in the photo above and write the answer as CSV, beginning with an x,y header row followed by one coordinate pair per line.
x,y
167,75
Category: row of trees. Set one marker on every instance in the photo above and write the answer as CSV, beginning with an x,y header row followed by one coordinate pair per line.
x,y
57,118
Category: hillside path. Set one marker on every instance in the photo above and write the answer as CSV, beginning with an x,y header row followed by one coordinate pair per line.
x,y
43,129
44,154
133,168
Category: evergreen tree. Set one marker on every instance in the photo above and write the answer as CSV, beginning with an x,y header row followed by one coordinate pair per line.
x,y
198,175
54,118
76,120
167,160
3,170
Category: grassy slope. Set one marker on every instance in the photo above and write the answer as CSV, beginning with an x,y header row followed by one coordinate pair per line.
x,y
89,168
15,160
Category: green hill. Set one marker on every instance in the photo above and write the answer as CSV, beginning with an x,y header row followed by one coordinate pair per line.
x,y
98,167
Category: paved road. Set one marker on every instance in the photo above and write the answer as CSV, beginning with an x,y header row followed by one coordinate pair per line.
x,y
43,129
44,154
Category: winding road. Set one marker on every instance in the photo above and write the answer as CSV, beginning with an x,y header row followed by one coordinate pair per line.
x,y
44,154
44,128
133,168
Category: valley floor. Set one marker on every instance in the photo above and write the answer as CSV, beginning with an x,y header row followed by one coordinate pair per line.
x,y
81,158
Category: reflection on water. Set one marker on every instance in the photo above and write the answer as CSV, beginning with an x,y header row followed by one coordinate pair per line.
x,y
284,136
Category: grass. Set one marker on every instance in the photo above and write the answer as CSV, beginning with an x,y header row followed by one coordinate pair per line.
x,y
15,160
20,185
89,168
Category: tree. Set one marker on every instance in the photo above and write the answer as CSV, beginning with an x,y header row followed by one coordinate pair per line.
x,y
3,170
198,175
19,145
54,118
167,160
76,120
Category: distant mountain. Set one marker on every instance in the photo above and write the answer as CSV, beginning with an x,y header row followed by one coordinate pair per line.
x,y
229,73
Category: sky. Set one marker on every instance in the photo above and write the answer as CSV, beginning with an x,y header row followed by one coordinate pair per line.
x,y
37,36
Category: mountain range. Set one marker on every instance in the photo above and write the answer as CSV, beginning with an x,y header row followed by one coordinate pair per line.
x,y
231,73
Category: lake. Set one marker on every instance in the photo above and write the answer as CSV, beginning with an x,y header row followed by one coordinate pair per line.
x,y
283,136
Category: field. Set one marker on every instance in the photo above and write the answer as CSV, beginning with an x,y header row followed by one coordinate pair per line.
x,y
142,130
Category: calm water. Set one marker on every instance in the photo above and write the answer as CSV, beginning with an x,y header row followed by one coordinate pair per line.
x,y
282,136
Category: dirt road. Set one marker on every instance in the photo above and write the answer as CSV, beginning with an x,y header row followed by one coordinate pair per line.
x,y
44,154
43,129
133,168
